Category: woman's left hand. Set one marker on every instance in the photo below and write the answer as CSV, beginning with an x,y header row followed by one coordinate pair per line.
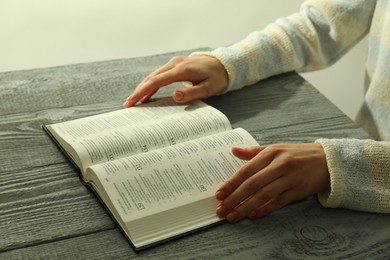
x,y
274,176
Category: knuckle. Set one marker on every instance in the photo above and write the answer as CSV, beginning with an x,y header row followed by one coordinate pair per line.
x,y
228,186
285,159
147,78
247,170
251,185
273,150
176,59
266,195
152,80
242,211
279,200
288,162
184,69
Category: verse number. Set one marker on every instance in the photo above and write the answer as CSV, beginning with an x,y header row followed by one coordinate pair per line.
x,y
110,156
144,148
138,167
172,141
202,188
140,206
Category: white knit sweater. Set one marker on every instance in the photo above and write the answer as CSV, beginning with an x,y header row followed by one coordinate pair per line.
x,y
315,38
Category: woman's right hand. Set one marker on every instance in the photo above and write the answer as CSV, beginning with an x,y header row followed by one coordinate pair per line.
x,y
207,75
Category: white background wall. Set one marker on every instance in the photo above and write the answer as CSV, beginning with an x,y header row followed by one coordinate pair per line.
x,y
45,33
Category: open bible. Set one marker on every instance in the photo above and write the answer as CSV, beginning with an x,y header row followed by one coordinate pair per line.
x,y
156,166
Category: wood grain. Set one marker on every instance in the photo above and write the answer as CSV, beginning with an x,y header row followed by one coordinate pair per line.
x,y
45,211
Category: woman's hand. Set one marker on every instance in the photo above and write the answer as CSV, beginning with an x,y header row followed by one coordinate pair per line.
x,y
274,176
207,75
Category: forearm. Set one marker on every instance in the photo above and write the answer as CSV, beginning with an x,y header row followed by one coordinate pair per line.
x,y
312,39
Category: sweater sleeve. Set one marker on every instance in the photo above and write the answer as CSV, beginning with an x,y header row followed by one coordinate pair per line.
x,y
311,39
360,174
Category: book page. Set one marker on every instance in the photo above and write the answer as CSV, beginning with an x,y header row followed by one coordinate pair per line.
x,y
140,129
169,177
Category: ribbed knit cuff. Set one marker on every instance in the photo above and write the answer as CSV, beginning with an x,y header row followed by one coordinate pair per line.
x,y
334,197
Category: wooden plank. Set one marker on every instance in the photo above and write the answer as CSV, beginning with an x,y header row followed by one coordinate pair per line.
x,y
301,231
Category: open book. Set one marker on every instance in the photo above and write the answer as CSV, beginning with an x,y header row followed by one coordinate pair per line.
x,y
157,166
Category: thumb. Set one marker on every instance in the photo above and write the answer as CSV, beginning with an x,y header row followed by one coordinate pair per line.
x,y
247,153
199,91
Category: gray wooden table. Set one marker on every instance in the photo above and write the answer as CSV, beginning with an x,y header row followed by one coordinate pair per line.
x,y
46,213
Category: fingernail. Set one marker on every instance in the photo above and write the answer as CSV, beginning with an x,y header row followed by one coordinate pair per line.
x,y
178,95
220,195
126,104
221,211
232,217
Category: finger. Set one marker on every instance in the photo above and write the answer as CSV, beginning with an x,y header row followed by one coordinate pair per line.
x,y
274,204
272,191
255,165
188,94
252,185
247,153
148,96
151,85
201,90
